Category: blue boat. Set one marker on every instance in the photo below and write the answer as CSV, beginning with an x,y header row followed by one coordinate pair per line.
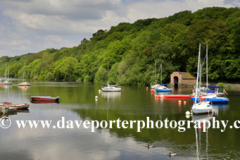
x,y
163,89
213,99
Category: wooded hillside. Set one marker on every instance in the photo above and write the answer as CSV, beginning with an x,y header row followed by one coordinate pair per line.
x,y
131,50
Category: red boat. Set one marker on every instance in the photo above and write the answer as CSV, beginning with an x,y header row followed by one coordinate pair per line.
x,y
5,103
172,96
45,102
44,99
21,106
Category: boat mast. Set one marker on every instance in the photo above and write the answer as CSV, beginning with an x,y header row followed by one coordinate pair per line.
x,y
161,73
198,72
155,73
207,65
23,70
5,72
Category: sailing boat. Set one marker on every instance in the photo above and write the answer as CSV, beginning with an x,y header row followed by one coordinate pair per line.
x,y
201,107
162,88
204,89
111,88
7,82
208,96
155,85
23,83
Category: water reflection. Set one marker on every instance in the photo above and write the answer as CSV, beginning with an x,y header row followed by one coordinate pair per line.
x,y
203,126
23,111
219,107
6,86
7,114
111,95
44,102
24,88
13,112
202,118
134,103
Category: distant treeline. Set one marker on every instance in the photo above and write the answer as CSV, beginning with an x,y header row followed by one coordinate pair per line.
x,y
127,52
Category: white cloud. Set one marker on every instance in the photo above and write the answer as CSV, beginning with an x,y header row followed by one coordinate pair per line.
x,y
49,22
55,40
160,9
62,17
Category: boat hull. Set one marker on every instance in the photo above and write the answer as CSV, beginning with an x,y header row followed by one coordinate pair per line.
x,y
201,111
216,100
7,83
155,86
111,90
163,90
176,96
21,106
24,84
202,107
44,99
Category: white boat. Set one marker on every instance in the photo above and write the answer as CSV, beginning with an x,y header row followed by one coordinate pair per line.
x,y
158,87
156,79
7,82
111,88
163,89
155,86
201,107
209,89
24,83
205,90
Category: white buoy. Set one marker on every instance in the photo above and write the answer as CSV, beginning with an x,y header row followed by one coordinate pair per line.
x,y
96,97
185,102
179,101
187,113
187,116
99,90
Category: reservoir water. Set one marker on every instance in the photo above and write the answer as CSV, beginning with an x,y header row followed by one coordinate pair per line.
x,y
77,102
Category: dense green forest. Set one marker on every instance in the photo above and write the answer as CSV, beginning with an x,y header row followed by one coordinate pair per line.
x,y
127,52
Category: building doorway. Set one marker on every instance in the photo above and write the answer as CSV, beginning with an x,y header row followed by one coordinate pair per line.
x,y
175,82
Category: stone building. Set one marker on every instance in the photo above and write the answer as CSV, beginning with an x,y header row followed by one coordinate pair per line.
x,y
182,79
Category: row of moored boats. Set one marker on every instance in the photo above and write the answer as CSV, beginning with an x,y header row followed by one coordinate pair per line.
x,y
9,82
203,96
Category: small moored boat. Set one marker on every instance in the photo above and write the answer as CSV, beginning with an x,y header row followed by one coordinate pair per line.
x,y
212,98
111,88
177,96
20,106
202,107
163,89
7,82
44,98
24,84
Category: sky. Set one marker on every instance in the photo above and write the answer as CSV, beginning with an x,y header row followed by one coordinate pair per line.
x,y
30,26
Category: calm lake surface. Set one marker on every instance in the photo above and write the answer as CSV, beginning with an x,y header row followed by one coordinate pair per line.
x,y
77,102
